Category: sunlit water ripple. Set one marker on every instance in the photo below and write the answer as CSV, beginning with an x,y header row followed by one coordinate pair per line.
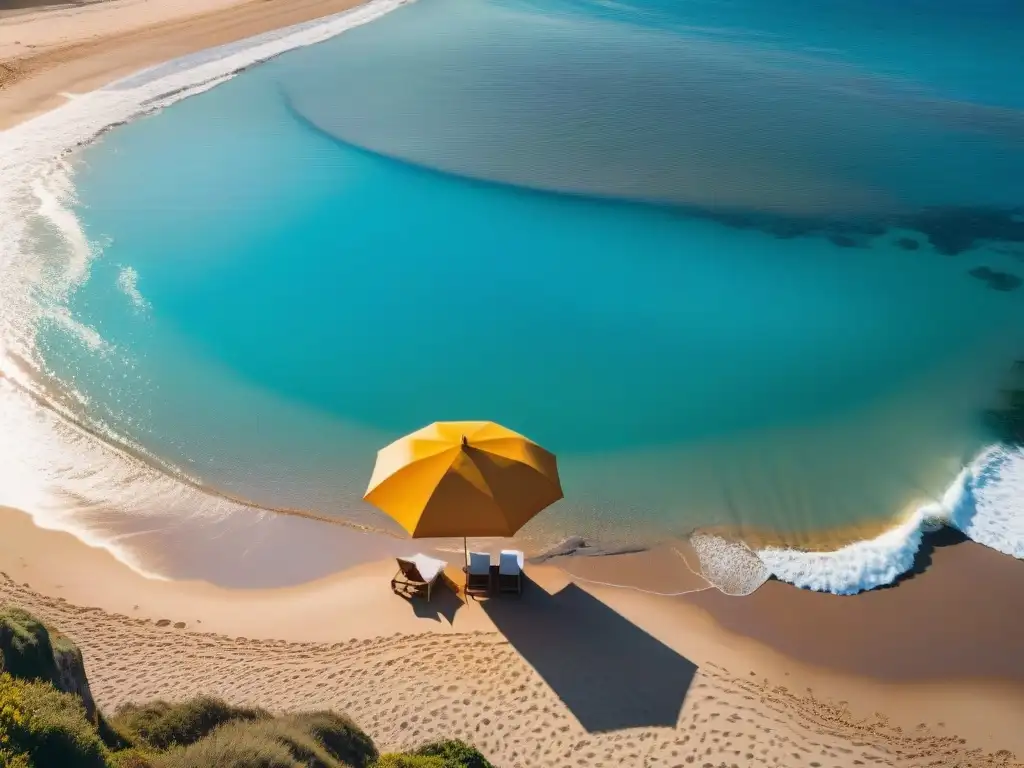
x,y
737,271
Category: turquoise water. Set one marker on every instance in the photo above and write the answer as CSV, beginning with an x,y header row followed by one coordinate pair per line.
x,y
691,248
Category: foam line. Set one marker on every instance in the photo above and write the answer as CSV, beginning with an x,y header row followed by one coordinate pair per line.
x,y
44,255
985,502
69,478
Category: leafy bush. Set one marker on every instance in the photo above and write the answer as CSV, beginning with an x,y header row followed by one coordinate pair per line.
x,y
43,727
342,738
394,760
25,649
313,740
159,725
132,758
114,739
232,746
264,744
11,760
455,753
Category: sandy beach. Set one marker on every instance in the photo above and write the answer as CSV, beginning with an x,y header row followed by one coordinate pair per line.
x,y
576,672
48,50
571,673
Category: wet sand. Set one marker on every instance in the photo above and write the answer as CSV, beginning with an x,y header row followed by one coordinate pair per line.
x,y
75,48
951,618
577,672
572,673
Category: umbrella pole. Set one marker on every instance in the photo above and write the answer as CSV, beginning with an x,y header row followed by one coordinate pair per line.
x,y
465,551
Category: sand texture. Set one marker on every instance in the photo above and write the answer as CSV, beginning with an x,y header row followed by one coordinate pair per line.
x,y
576,672
569,674
75,48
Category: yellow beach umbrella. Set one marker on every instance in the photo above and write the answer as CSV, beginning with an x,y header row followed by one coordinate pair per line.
x,y
463,478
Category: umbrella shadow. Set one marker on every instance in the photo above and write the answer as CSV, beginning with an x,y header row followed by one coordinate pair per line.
x,y
610,673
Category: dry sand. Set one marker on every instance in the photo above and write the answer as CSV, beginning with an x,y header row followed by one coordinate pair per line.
x,y
928,673
570,674
78,47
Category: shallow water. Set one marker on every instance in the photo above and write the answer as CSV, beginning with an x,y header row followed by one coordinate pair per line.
x,y
366,235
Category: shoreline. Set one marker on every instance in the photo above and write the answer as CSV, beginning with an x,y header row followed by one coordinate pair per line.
x,y
921,672
287,646
98,43
216,25
134,540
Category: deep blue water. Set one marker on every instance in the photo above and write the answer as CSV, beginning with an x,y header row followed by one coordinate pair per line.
x,y
716,255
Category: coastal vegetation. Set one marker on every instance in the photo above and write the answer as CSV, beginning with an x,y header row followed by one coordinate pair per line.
x,y
48,720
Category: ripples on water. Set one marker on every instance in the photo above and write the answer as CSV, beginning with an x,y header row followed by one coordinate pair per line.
x,y
781,294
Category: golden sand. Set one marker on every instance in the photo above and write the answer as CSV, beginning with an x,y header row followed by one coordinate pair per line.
x,y
570,674
573,674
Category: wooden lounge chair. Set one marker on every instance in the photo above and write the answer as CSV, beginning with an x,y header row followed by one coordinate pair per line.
x,y
510,571
417,575
478,574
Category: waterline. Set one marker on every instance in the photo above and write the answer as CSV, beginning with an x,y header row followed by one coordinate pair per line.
x,y
121,487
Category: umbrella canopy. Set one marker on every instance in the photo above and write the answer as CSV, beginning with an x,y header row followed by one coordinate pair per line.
x,y
463,478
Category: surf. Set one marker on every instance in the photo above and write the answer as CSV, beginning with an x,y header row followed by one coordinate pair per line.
x,y
80,467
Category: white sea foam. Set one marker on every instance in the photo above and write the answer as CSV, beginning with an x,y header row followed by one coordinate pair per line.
x,y
128,282
729,565
68,477
109,497
985,502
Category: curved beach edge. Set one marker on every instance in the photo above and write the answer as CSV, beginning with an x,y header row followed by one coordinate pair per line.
x,y
859,684
984,502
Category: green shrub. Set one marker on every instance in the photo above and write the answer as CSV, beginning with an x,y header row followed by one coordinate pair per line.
x,y
258,744
114,739
159,725
43,727
341,738
455,754
393,760
232,747
25,649
132,758
11,760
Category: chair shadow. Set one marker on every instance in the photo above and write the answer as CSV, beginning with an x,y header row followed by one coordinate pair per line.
x,y
444,603
609,673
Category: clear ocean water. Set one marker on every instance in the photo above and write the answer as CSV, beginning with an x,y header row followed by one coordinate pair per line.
x,y
748,264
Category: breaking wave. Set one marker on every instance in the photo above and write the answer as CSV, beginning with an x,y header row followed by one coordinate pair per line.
x,y
74,475
71,472
985,502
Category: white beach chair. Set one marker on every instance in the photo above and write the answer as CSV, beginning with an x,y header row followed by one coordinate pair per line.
x,y
510,571
417,575
478,574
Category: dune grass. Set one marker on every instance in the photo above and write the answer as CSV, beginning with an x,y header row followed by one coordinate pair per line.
x,y
396,760
159,725
41,726
44,727
455,754
25,648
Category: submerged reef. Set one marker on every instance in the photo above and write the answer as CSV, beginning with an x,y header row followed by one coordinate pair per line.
x,y
950,230
997,281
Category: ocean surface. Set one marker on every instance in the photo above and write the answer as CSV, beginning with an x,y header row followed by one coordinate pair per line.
x,y
747,266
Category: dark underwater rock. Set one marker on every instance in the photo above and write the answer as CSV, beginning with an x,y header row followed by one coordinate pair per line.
x,y
997,281
954,230
843,241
